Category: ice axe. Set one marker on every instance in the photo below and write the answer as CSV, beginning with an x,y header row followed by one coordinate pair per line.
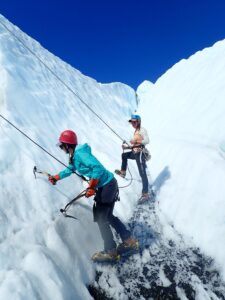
x,y
62,210
35,170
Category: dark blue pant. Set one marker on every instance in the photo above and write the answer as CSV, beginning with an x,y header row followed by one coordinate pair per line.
x,y
141,163
103,214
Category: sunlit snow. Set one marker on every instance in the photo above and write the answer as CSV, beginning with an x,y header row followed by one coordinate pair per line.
x,y
46,256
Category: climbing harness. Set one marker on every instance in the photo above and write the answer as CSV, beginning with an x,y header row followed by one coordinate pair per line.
x,y
147,154
140,148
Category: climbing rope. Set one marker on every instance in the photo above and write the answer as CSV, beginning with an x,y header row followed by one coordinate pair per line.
x,y
60,80
71,90
131,177
41,147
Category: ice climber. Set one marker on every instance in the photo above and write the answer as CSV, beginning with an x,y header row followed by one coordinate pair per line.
x,y
139,152
103,186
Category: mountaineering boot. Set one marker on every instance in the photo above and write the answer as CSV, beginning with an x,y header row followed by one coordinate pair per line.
x,y
109,256
144,198
129,246
121,173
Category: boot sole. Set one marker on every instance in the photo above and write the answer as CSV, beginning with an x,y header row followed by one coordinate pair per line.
x,y
126,251
106,261
119,174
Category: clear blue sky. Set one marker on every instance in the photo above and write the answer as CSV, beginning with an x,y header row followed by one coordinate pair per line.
x,y
127,40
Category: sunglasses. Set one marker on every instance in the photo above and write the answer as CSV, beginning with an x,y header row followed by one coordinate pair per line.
x,y
60,145
134,122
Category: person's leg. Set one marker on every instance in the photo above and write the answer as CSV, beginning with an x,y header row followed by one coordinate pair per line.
x,y
119,227
102,216
128,242
125,157
108,195
105,198
141,163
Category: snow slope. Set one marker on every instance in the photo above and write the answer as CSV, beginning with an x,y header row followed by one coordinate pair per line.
x,y
184,113
45,256
167,267
42,254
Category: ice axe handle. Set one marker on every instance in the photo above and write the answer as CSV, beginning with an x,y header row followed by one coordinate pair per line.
x,y
34,171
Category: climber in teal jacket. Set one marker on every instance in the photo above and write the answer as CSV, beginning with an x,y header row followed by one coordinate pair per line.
x,y
87,165
104,187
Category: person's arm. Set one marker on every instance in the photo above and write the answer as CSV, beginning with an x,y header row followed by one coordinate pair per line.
x,y
66,172
91,190
63,174
90,161
126,145
95,168
144,134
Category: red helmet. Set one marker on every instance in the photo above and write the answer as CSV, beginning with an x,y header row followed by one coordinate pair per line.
x,y
68,137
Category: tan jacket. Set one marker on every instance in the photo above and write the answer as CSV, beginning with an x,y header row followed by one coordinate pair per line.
x,y
140,137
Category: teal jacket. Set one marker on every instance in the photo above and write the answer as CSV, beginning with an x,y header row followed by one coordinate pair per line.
x,y
87,165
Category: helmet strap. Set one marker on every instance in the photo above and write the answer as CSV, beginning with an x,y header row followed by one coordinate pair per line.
x,y
138,125
66,148
71,153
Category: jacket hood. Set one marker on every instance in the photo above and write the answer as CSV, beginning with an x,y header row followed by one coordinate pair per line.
x,y
85,147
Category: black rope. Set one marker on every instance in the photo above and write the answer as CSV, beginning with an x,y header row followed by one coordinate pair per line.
x,y
71,90
65,84
131,180
42,147
121,187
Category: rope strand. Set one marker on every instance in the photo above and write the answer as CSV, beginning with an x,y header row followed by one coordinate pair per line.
x,y
59,79
70,89
41,147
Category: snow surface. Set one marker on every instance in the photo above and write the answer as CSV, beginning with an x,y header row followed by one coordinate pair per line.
x,y
167,267
42,254
184,113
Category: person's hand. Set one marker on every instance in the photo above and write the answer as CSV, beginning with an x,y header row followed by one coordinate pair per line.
x,y
53,179
125,146
91,190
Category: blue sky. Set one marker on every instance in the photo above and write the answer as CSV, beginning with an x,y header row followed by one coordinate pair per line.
x,y
127,40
